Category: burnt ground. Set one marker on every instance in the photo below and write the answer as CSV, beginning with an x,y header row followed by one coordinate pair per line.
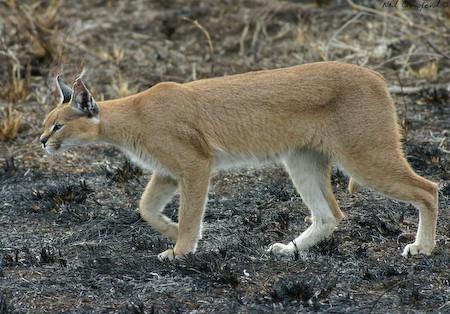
x,y
70,239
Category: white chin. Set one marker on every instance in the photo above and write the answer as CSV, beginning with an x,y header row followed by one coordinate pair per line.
x,y
51,150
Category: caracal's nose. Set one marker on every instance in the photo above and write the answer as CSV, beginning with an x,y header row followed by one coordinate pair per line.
x,y
43,140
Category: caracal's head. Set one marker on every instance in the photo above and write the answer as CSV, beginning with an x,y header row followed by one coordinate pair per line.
x,y
74,121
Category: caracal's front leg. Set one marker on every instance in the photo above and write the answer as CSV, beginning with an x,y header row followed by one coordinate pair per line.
x,y
193,193
157,194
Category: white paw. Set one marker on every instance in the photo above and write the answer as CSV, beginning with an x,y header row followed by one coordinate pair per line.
x,y
281,249
415,248
167,255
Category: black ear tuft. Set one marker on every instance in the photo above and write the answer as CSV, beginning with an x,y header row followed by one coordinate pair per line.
x,y
83,101
65,92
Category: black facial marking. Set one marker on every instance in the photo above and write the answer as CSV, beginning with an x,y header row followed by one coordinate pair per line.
x,y
57,127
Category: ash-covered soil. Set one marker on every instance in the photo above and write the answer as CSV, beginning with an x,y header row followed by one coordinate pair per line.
x,y
71,240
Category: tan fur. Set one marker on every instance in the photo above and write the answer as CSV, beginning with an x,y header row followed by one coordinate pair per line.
x,y
352,186
306,116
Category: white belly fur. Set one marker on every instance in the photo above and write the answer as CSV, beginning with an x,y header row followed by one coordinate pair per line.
x,y
145,161
222,160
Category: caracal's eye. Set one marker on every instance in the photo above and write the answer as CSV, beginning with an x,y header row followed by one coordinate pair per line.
x,y
57,126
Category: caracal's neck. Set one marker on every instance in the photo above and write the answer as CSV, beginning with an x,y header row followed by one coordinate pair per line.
x,y
118,119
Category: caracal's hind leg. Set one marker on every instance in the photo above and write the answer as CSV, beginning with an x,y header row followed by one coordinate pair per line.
x,y
310,172
388,172
157,194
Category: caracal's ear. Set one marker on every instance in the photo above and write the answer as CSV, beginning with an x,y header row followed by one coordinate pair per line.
x,y
65,92
83,101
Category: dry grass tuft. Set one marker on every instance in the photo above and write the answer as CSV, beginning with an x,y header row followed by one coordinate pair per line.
x,y
116,54
17,88
10,126
121,87
429,71
37,23
208,39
